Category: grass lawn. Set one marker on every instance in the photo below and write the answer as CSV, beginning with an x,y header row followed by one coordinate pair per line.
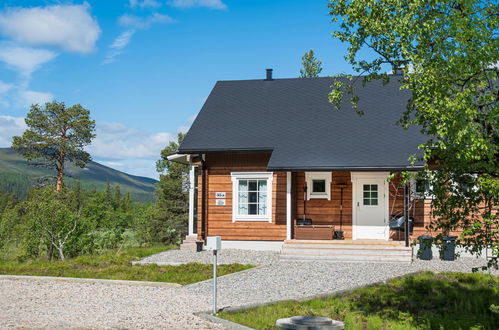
x,y
422,301
116,265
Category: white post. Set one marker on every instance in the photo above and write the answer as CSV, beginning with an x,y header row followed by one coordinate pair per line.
x,y
215,311
191,201
288,205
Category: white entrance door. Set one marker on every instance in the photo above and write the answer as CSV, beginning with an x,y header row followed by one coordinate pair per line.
x,y
370,206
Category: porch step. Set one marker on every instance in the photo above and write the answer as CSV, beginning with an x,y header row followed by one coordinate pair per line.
x,y
346,251
189,243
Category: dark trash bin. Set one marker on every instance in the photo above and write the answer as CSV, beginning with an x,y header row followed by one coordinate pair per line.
x,y
424,252
448,248
199,246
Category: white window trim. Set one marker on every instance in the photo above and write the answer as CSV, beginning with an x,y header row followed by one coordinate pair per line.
x,y
310,176
236,176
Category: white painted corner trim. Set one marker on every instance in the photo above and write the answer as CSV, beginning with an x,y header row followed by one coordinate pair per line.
x,y
236,176
288,205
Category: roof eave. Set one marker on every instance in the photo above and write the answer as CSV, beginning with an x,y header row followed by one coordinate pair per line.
x,y
397,168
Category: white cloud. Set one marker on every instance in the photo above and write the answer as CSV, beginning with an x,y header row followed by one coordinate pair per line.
x,y
118,45
25,60
128,149
5,87
69,27
116,141
137,22
133,23
213,4
10,126
144,3
29,97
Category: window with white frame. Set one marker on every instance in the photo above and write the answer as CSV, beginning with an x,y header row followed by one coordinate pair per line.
x,y
252,196
420,188
318,185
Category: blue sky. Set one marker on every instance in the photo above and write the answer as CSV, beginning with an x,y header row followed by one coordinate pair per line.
x,y
144,67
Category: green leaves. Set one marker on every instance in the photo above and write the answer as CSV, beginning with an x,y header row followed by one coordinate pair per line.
x,y
312,67
56,134
448,53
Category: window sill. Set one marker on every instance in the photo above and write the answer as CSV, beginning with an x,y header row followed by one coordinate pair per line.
x,y
318,197
251,220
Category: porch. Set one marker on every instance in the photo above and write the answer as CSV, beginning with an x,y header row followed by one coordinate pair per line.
x,y
347,206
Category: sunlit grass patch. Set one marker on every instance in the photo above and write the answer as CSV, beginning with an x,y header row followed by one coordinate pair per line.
x,y
421,301
116,265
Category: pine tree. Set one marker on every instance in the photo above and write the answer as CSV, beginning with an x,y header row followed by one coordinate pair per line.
x,y
312,67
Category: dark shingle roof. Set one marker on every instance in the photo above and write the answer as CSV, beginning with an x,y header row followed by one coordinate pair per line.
x,y
293,119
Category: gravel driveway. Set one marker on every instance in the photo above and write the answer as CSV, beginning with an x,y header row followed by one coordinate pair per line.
x,y
29,303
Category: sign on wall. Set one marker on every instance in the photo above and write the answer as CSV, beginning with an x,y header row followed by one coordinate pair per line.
x,y
220,202
220,196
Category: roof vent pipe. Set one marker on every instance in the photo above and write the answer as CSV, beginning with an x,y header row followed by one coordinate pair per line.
x,y
269,74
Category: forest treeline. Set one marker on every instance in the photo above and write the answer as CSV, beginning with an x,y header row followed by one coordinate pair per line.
x,y
76,221
93,221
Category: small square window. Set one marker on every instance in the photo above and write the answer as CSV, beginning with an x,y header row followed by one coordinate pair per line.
x,y
319,186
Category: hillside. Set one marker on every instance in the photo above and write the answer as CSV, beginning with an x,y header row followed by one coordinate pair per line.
x,y
18,176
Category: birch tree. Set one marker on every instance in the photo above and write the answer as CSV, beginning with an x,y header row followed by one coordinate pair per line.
x,y
447,52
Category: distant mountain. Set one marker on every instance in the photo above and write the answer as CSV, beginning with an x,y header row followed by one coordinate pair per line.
x,y
17,176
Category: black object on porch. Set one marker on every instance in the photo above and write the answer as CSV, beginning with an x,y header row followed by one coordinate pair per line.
x,y
338,234
398,224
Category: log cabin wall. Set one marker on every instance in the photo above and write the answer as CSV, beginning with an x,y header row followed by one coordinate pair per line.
x,y
327,212
422,213
219,218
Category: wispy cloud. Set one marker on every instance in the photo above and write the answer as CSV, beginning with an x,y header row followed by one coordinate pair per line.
x,y
144,3
118,45
137,22
24,60
69,27
212,4
132,23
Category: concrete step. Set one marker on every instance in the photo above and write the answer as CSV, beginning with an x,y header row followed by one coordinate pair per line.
x,y
347,242
346,251
189,243
327,252
343,247
348,258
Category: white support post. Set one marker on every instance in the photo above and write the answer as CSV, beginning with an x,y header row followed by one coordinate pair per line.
x,y
191,201
288,205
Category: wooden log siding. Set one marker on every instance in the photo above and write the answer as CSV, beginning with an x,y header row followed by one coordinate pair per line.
x,y
321,211
219,218
327,212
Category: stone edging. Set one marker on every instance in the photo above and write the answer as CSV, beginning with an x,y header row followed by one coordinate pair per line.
x,y
90,280
224,322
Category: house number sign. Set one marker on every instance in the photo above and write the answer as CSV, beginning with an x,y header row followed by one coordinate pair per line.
x,y
220,198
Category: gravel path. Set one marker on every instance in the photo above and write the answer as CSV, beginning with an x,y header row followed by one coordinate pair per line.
x,y
30,303
52,304
295,280
226,256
